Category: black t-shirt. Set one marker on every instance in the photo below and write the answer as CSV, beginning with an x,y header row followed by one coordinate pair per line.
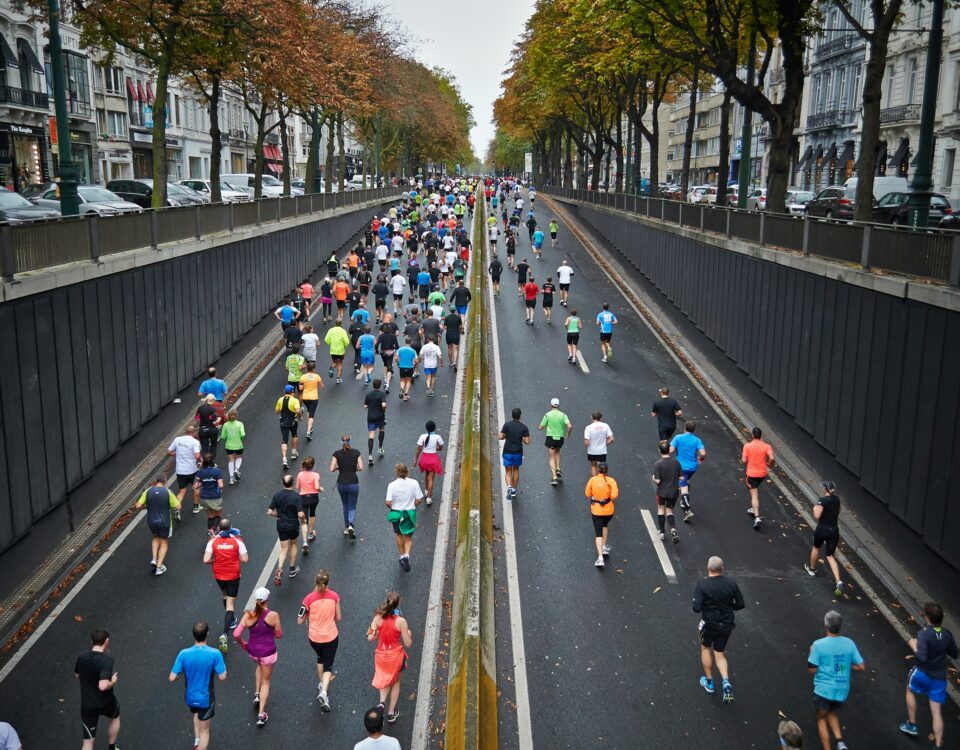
x,y
547,290
293,336
93,666
434,273
369,258
299,304
716,598
374,402
431,328
522,269
356,330
514,432
353,300
207,414
496,268
453,324
511,243
347,465
380,290
831,512
288,418
412,330
390,327
667,470
288,505
460,296
387,343
666,410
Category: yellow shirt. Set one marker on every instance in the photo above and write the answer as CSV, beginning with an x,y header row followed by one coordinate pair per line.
x,y
309,386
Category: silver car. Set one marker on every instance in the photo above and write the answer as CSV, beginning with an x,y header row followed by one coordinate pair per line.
x,y
92,200
228,193
796,201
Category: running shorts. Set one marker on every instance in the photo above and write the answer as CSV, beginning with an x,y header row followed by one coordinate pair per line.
x,y
288,431
715,639
564,287
185,480
90,717
406,372
229,588
552,442
326,652
754,482
547,302
605,337
336,358
378,425
430,370
599,457
826,538
686,476
461,310
666,432
512,459
341,304
495,277
387,360
366,359
309,503
599,524
666,502
920,683
453,338
159,532
311,405
573,338
531,302
204,713
825,704
287,533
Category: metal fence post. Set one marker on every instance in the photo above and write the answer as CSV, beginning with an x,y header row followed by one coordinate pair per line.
x,y
279,210
762,217
196,222
954,277
296,207
806,235
703,210
8,259
680,216
231,219
259,207
865,247
726,230
663,210
154,229
93,234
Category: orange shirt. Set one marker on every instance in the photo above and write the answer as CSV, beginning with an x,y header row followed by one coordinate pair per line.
x,y
307,290
308,482
340,291
602,487
755,455
353,260
322,615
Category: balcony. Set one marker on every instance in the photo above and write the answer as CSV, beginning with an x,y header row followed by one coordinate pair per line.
x,y
832,118
24,97
237,135
836,46
903,113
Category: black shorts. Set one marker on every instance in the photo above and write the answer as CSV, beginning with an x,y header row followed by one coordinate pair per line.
x,y
605,337
564,287
186,480
336,358
552,442
599,457
511,250
754,482
600,523
288,431
341,304
380,302
715,639
397,297
666,432
553,235
531,302
159,532
453,339
387,360
90,716
287,533
326,652
826,538
229,588
825,704
309,503
666,502
205,713
234,451
311,405
495,277
547,302
573,338
406,372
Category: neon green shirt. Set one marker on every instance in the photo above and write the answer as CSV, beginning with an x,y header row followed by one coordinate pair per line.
x,y
555,423
295,364
338,340
232,434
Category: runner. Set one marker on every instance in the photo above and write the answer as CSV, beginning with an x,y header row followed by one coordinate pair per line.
x,y
554,228
557,428
757,455
326,299
209,482
564,275
310,385
337,340
366,345
537,240
690,453
161,504
511,243
398,283
427,457
715,599
573,324
213,386
373,718
495,269
375,402
288,409
547,291
264,626
602,492
355,331
514,434
308,485
531,226
928,676
348,463
293,337
224,553
389,628
460,297
286,314
407,361
340,291
403,497
530,291
522,269
432,359
830,662
321,610
666,410
826,534
606,320
309,343
387,346
208,424
198,665
232,434
294,364
790,734
493,233
666,475
94,671
286,507
596,437
306,290
452,326
187,457
380,291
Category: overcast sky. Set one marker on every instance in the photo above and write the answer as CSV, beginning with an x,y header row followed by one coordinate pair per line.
x,y
479,37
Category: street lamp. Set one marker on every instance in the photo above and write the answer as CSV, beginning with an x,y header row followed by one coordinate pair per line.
x,y
69,204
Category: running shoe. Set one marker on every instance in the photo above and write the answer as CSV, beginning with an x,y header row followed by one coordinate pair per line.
x,y
346,531
554,482
309,435
675,535
233,481
339,381
294,572
256,702
176,515
381,707
599,563
324,702
756,523
237,474
511,493
907,728
153,566
380,452
662,535
196,509
750,511
222,644
841,745
161,569
604,359
406,563
838,589
606,550
330,373
392,718
707,684
429,500
319,690
311,536
727,692
306,549
262,718
294,455
429,393
351,532
687,515
234,622
810,571
370,460
278,578
559,473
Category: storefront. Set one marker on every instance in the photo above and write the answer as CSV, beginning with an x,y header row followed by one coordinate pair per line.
x,y
142,154
236,163
115,164
81,149
23,156
175,169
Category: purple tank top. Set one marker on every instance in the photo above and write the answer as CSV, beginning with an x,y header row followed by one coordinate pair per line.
x,y
262,641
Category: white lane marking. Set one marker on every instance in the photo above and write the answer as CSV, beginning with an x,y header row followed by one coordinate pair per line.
x,y
524,729
582,362
658,546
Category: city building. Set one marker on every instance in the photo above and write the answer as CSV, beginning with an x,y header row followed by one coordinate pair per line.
x,y
705,167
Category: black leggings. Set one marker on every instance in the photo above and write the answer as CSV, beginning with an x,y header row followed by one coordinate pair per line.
x,y
208,440
327,309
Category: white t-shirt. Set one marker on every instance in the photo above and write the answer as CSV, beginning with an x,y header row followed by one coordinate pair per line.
x,y
397,243
402,494
380,743
436,311
430,354
310,343
494,232
563,274
519,205
382,251
398,283
447,241
430,442
597,433
186,449
449,258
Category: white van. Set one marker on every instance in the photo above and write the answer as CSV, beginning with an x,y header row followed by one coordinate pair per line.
x,y
357,182
882,185
272,187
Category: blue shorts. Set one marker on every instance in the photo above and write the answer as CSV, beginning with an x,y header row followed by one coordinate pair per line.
x,y
512,459
920,684
461,310
686,476
374,426
366,359
430,370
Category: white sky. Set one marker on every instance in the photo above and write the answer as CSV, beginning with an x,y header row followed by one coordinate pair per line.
x,y
473,41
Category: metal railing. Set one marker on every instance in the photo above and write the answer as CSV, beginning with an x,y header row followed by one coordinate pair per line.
x,y
927,253
901,113
23,97
41,244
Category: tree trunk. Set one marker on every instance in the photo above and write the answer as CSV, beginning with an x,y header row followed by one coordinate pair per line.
x,y
342,152
312,154
688,136
596,156
328,167
285,151
724,158
216,141
258,152
870,126
567,162
159,146
618,149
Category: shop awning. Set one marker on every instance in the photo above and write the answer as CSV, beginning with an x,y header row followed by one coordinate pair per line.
x,y
150,96
818,154
832,152
846,155
277,169
900,154
132,90
881,151
272,152
142,96
808,152
31,57
6,54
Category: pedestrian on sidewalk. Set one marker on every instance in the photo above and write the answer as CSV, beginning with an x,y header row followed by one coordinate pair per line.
x,y
390,630
308,485
691,452
224,553
928,676
232,434
373,718
288,409
602,492
757,456
715,599
94,671
321,610
264,626
666,475
161,504
348,463
187,458
573,324
427,457
830,661
826,534
557,427
198,665
403,497
209,483
287,508
666,410
596,437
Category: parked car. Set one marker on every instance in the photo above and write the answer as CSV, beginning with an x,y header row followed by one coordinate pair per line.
x,y
757,200
894,208
14,208
298,182
357,182
140,191
33,192
834,202
272,187
93,200
228,194
950,221
881,185
733,195
709,196
796,201
696,193
185,196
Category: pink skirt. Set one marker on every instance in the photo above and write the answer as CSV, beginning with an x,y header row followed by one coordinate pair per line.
x,y
431,462
265,660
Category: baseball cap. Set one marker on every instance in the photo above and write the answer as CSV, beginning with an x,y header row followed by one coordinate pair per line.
x,y
554,402
288,389
262,594
828,485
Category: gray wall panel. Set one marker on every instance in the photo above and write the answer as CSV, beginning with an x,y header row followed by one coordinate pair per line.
x,y
35,484
76,331
18,513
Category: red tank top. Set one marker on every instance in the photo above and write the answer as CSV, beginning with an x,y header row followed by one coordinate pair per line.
x,y
388,635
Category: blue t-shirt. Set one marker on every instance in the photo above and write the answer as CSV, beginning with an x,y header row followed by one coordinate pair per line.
x,y
832,657
606,319
198,665
361,314
406,356
215,386
538,240
366,342
382,231
394,264
209,479
286,313
423,278
687,445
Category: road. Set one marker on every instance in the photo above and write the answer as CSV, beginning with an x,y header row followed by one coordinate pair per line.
x,y
150,618
613,652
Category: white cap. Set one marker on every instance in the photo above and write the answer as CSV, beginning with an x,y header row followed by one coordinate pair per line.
x,y
554,402
262,594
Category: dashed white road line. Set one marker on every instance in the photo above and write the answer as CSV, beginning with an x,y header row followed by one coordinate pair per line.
x,y
658,546
582,362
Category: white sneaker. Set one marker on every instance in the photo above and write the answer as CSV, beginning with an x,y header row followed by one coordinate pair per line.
x,y
599,563
810,571
429,500
294,455
606,550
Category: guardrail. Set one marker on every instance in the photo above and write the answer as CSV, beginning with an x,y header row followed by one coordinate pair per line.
x,y
42,244
928,253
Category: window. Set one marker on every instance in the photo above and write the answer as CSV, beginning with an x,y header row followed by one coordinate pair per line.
x,y
827,91
189,112
841,88
855,96
108,78
956,93
176,110
816,93
117,124
911,79
888,96
946,179
78,80
101,121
